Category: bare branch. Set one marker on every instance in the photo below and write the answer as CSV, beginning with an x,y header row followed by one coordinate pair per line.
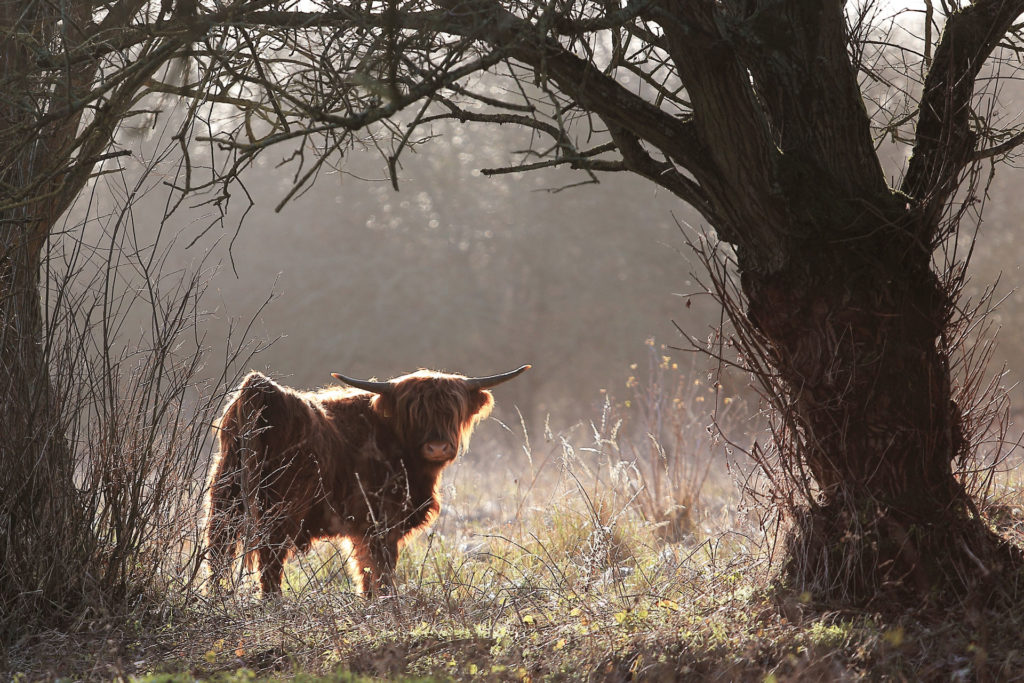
x,y
944,142
663,173
1002,148
581,160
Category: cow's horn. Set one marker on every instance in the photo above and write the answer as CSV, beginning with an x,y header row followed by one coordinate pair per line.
x,y
366,385
495,380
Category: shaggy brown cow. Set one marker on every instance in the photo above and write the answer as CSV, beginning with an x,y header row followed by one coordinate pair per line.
x,y
364,464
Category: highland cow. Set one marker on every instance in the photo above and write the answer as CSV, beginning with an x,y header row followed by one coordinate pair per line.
x,y
360,463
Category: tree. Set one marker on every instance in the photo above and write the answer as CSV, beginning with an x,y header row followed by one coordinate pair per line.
x,y
753,112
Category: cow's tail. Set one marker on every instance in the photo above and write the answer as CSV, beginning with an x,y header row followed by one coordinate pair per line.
x,y
232,506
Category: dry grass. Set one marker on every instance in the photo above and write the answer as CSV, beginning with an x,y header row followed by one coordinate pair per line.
x,y
546,566
556,594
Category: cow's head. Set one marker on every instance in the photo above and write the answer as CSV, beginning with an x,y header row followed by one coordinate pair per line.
x,y
433,412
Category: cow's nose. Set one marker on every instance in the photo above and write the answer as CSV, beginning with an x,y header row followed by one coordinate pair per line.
x,y
437,450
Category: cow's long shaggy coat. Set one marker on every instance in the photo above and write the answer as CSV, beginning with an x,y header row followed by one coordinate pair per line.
x,y
295,467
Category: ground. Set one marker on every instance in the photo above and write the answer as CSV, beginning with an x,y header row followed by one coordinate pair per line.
x,y
592,554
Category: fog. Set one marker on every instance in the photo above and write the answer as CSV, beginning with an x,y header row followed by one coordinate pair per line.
x,y
462,272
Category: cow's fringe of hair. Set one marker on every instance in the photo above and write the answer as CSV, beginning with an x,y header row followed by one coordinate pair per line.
x,y
418,410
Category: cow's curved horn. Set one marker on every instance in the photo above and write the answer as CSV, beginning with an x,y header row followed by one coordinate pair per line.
x,y
366,385
495,380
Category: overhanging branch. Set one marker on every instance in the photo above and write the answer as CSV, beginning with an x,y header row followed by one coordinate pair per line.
x,y
581,160
593,90
636,159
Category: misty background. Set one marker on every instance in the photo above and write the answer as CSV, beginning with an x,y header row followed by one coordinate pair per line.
x,y
456,271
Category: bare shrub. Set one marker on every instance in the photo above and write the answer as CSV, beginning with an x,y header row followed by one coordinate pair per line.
x,y
663,444
126,357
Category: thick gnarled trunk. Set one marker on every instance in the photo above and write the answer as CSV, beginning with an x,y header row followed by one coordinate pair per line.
x,y
856,335
857,345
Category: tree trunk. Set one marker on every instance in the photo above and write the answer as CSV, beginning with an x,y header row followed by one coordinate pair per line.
x,y
44,541
856,329
48,548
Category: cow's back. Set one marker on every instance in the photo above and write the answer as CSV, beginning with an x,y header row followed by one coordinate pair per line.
x,y
354,455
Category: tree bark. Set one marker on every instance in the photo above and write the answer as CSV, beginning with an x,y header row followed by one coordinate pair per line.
x,y
856,330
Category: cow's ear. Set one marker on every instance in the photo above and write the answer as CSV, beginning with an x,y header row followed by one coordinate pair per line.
x,y
481,402
383,405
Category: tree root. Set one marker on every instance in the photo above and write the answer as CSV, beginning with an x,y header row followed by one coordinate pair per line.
x,y
877,560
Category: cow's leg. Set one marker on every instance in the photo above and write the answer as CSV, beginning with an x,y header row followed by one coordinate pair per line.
x,y
272,555
224,527
358,565
373,564
383,552
387,559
